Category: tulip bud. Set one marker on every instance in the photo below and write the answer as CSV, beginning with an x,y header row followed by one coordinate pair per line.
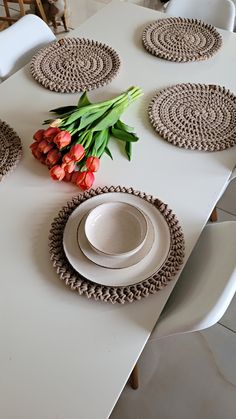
x,y
56,123
92,163
38,135
35,151
57,173
43,159
62,139
68,177
76,152
53,157
85,180
74,177
44,146
50,133
69,167
66,158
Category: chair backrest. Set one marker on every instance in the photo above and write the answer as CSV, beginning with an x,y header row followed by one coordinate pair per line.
x,y
206,285
219,13
19,42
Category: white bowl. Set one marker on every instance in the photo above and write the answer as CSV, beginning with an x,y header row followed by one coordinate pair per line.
x,y
116,229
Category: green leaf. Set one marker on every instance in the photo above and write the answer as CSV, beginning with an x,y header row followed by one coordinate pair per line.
x,y
100,138
111,118
84,100
68,127
87,119
64,109
123,135
121,125
108,152
128,149
83,111
88,139
75,115
104,143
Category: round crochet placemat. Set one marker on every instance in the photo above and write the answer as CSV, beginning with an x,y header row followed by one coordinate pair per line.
x,y
195,116
10,149
181,39
74,65
111,294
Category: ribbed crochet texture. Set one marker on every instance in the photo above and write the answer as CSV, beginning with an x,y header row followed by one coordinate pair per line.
x,y
10,149
181,39
195,116
72,65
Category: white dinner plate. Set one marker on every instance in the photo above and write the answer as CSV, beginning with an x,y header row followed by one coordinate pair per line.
x,y
117,277
112,261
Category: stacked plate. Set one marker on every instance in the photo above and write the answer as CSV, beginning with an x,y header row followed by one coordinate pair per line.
x,y
116,239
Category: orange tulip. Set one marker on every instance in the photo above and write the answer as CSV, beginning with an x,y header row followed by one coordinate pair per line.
x,y
53,157
57,173
68,177
44,146
69,167
62,139
38,135
34,149
85,180
74,177
50,133
77,152
92,163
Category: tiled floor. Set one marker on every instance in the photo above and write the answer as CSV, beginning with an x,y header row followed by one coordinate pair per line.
x,y
189,376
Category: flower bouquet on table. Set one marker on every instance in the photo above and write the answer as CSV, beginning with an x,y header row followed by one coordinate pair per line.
x,y
78,136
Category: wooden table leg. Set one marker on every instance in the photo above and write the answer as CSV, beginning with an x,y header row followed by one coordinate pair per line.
x,y
41,10
214,216
134,378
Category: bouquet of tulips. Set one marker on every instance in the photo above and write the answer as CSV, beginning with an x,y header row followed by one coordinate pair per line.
x,y
77,137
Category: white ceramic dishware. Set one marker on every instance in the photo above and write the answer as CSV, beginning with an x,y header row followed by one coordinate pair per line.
x,y
115,262
150,264
116,229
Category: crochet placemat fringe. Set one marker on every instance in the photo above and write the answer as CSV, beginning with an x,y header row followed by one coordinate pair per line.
x,y
112,294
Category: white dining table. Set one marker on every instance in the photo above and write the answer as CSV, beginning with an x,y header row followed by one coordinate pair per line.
x,y
63,356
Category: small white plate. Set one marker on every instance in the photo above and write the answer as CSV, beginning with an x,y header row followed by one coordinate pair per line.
x,y
115,229
117,277
113,261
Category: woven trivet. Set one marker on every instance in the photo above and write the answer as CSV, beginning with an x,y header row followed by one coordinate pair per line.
x,y
181,39
10,149
195,116
112,294
73,65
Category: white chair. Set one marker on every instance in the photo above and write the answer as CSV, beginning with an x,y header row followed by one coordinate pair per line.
x,y
205,287
219,13
224,198
19,42
227,200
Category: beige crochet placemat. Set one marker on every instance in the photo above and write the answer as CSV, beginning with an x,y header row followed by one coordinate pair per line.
x,y
72,65
181,39
195,116
111,294
10,149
